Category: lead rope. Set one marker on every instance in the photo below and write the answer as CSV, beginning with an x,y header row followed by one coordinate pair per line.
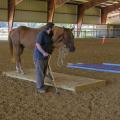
x,y
52,76
63,52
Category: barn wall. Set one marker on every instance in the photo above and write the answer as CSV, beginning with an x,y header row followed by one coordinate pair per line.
x,y
3,10
36,11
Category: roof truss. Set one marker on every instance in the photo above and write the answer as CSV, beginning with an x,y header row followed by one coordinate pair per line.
x,y
59,3
111,8
18,2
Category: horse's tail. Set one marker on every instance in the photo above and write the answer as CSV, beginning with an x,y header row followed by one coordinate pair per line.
x,y
11,46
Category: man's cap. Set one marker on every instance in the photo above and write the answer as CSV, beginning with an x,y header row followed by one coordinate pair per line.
x,y
49,25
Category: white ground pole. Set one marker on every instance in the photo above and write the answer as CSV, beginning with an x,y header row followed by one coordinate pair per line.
x,y
111,64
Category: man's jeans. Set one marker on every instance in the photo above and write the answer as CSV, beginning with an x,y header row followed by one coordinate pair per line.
x,y
41,68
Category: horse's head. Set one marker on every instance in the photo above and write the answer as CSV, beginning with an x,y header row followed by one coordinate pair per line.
x,y
68,39
65,36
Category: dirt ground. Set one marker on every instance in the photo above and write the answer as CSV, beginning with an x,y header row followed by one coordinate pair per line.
x,y
20,101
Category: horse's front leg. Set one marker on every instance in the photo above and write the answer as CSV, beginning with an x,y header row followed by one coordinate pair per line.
x,y
17,68
21,68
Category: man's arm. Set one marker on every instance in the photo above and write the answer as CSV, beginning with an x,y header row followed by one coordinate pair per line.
x,y
39,40
39,47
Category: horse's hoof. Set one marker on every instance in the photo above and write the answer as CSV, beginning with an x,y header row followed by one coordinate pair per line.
x,y
22,73
18,72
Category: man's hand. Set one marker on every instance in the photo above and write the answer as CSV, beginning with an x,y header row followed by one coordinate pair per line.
x,y
45,54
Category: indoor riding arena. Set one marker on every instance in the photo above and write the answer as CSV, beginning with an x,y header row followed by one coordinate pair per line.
x,y
85,83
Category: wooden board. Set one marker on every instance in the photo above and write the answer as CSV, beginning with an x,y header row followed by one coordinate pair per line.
x,y
63,81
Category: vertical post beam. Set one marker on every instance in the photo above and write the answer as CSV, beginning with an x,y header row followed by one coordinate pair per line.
x,y
11,13
50,10
103,16
81,10
80,14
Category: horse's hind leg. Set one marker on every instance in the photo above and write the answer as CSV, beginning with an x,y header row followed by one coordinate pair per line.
x,y
20,64
19,51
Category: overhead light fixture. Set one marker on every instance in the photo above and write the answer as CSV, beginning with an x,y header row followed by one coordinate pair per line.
x,y
116,2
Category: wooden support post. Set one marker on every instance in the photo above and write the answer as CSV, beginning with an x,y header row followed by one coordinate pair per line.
x,y
81,10
51,6
80,14
11,13
103,16
50,10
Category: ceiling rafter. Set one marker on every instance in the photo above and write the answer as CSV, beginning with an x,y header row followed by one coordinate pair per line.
x,y
111,8
108,3
59,3
18,2
92,3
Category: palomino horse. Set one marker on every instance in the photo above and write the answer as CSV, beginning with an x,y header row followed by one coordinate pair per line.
x,y
24,37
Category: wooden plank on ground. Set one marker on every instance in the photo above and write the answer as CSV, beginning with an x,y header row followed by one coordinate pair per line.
x,y
63,81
